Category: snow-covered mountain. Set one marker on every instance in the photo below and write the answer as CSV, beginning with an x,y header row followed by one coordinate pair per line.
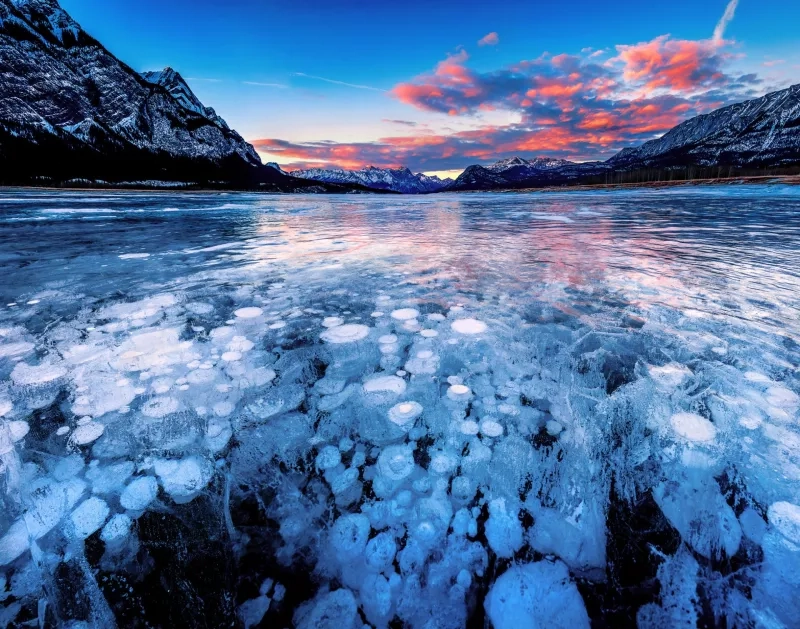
x,y
516,172
180,91
395,179
536,164
760,132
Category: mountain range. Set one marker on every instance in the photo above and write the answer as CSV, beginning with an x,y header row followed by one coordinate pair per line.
x,y
71,113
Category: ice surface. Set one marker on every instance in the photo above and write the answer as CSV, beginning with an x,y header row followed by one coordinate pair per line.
x,y
240,432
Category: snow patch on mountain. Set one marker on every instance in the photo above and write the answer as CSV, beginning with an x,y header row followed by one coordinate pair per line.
x,y
395,179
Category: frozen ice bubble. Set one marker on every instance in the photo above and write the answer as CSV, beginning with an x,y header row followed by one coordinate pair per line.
x,y
349,536
785,517
5,407
396,462
380,551
385,384
458,392
503,529
139,493
468,326
250,312
553,428
404,413
436,316
160,406
491,428
468,427
88,517
693,427
116,529
428,333
538,595
183,479
405,314
332,322
348,333
387,339
328,458
18,430
24,374
87,433
230,357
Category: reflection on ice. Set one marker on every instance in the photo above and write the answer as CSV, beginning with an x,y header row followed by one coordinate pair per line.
x,y
526,410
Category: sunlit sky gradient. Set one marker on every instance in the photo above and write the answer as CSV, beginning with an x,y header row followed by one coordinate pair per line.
x,y
440,85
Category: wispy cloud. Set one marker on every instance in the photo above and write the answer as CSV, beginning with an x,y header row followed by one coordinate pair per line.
x,y
491,39
719,30
198,78
335,82
259,84
406,123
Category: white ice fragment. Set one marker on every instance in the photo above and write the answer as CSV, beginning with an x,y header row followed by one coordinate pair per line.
x,y
18,430
468,427
5,407
160,406
396,462
24,374
405,413
387,339
116,529
328,458
436,316
139,493
376,314
251,312
348,333
134,256
15,542
183,479
670,375
329,610
693,427
754,376
87,433
537,595
491,428
458,392
785,517
783,398
385,384
88,517
405,314
503,529
230,357
332,322
62,430
428,333
553,428
277,325
468,326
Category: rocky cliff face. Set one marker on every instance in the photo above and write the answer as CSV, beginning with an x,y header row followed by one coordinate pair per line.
x,y
61,88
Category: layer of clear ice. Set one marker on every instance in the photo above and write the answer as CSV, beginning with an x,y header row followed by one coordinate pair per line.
x,y
344,437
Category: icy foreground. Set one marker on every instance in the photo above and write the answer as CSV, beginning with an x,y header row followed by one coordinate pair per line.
x,y
528,411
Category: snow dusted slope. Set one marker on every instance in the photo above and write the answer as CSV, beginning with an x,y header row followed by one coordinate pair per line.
x,y
516,172
396,179
763,131
57,79
174,83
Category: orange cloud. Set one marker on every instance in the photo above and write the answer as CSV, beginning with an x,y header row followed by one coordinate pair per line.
x,y
491,39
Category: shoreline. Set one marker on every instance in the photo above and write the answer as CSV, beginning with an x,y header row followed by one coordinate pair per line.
x,y
765,180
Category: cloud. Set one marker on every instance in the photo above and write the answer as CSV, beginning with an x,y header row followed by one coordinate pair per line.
x,y
578,107
259,84
406,123
719,30
773,62
335,82
491,39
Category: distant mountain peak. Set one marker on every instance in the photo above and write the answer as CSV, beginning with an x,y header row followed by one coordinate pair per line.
x,y
395,179
176,85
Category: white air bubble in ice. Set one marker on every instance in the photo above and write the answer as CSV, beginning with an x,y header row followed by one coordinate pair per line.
x,y
405,314
468,326
139,493
348,333
385,384
693,427
785,517
458,392
405,413
491,428
88,517
332,322
396,462
328,458
250,312
87,433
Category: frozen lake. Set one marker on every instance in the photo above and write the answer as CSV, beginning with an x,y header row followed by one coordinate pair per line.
x,y
521,410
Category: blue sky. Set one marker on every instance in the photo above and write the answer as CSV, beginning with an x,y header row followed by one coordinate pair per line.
x,y
254,61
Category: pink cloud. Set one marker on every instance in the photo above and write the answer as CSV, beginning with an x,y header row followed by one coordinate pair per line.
x,y
491,39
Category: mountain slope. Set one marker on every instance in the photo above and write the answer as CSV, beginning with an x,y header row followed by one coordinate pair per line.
x,y
394,179
69,109
517,172
760,132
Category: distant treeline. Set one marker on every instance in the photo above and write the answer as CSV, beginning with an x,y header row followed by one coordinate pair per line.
x,y
688,173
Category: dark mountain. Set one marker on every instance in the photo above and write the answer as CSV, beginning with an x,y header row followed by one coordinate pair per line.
x,y
394,179
70,110
753,137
